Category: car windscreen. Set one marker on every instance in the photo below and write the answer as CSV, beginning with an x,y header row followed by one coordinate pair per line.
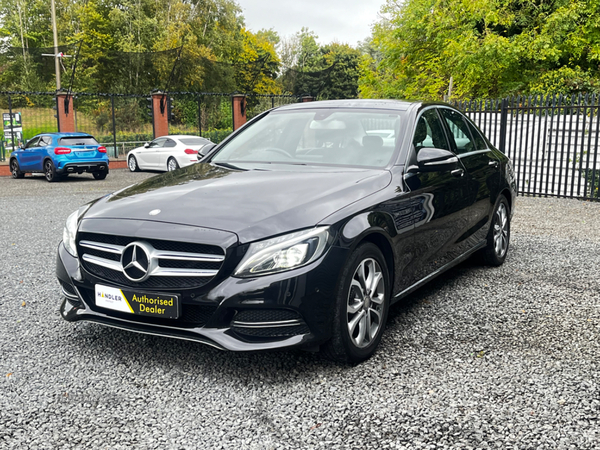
x,y
317,136
77,140
193,141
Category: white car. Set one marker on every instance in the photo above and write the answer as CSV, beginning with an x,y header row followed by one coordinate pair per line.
x,y
166,153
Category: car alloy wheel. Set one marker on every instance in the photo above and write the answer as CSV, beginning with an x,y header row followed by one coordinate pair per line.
x,y
498,239
365,303
49,171
132,164
172,165
362,304
14,168
501,230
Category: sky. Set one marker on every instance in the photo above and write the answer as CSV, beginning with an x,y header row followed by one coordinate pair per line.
x,y
345,21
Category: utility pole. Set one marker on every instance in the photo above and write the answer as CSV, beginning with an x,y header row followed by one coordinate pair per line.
x,y
56,62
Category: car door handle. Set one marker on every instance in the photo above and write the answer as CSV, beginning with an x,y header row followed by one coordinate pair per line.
x,y
494,164
458,173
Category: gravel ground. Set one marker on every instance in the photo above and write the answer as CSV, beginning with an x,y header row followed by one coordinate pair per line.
x,y
481,358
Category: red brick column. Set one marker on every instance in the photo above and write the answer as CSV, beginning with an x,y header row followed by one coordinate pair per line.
x,y
239,110
161,121
66,116
307,98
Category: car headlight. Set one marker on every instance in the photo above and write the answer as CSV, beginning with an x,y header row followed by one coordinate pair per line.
x,y
284,252
70,230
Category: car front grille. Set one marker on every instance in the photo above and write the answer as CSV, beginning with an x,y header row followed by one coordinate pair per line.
x,y
174,265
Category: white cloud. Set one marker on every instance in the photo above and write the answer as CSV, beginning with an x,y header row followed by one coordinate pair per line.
x,y
346,21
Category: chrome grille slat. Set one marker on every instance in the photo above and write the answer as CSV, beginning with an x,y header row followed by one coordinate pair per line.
x,y
108,263
198,257
174,272
102,247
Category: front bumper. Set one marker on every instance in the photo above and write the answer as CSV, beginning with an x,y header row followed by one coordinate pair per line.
x,y
291,309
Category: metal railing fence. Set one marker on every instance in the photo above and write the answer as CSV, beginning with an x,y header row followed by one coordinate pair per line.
x,y
552,141
122,122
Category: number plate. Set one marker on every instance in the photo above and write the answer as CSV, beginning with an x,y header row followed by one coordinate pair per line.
x,y
133,302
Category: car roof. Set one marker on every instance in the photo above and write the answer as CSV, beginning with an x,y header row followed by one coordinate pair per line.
x,y
179,136
401,105
64,134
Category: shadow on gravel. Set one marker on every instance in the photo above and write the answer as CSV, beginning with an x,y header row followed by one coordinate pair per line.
x,y
110,347
69,179
407,304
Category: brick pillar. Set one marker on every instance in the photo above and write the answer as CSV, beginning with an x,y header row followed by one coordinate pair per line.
x,y
239,110
66,116
161,121
306,98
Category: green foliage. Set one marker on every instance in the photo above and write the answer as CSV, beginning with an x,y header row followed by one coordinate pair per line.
x,y
489,48
131,46
327,72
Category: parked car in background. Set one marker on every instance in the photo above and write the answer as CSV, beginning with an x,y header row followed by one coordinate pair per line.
x,y
57,155
166,153
300,230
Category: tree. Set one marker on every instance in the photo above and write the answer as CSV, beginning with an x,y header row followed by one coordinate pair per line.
x,y
489,48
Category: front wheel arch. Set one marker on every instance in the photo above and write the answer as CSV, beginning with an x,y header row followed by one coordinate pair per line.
x,y
342,346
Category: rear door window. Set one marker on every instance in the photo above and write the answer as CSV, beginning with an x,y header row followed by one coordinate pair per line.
x,y
44,141
477,138
458,130
78,140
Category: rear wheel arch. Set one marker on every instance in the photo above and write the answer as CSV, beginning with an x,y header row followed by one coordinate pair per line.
x,y
509,198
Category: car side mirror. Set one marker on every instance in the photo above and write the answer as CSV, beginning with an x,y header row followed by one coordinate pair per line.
x,y
205,150
147,144
436,160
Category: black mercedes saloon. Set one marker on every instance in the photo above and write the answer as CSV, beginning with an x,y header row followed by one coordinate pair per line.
x,y
299,230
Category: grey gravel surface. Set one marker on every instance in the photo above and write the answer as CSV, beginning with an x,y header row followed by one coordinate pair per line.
x,y
503,358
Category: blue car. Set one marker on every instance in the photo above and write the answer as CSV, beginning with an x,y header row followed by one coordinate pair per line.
x,y
56,155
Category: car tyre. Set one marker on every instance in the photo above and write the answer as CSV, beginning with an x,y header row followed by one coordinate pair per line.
x,y
15,171
498,239
100,175
172,164
362,304
50,171
133,164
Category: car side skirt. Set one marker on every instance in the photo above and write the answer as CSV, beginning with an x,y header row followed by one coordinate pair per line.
x,y
441,270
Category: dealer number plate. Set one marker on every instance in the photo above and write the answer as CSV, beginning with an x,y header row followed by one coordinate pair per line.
x,y
133,302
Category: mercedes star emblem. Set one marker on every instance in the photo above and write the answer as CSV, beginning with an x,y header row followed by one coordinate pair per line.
x,y
136,261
